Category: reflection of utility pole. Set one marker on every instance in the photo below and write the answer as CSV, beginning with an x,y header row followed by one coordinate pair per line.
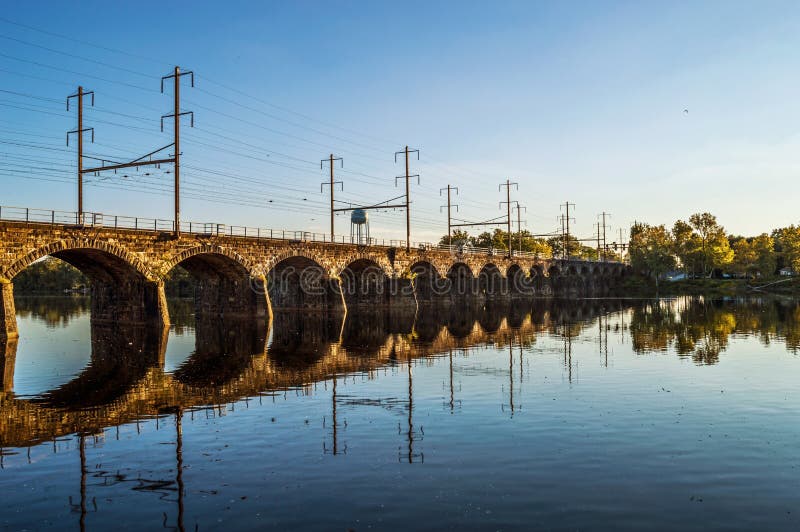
x,y
605,342
452,401
410,414
83,482
568,351
179,464
511,376
335,421
600,332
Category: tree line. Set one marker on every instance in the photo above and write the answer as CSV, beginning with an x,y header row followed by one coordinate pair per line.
x,y
525,241
700,247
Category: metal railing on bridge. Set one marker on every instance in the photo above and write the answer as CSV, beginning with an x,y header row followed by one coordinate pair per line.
x,y
158,225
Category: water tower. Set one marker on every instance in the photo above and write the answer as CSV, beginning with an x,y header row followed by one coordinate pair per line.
x,y
359,227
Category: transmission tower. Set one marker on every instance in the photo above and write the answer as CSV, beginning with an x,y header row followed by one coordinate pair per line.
x,y
332,184
79,96
144,160
407,177
449,206
508,184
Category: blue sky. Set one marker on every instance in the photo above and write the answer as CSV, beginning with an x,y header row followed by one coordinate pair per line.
x,y
578,101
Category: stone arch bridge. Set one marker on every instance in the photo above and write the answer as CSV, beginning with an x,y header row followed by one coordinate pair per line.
x,y
242,276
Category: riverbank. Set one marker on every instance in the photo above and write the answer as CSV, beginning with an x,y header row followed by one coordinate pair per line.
x,y
637,286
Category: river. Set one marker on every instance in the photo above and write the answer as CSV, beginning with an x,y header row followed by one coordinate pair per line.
x,y
554,415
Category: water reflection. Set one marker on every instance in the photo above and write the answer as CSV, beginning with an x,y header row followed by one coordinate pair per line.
x,y
701,330
125,379
551,414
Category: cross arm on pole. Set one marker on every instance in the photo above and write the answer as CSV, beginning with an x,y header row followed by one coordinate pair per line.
x,y
169,115
403,152
79,132
404,177
331,159
179,74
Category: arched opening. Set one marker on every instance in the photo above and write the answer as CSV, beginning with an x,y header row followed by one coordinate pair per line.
x,y
461,321
555,279
300,283
365,332
222,286
121,357
520,284
300,339
490,281
428,323
119,287
461,280
363,282
427,283
222,352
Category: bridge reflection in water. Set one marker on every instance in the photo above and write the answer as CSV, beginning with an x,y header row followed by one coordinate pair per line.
x,y
126,381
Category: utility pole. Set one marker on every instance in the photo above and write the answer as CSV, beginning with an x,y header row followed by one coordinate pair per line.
x,y
508,184
621,244
406,151
598,239
332,184
79,95
449,206
519,208
146,159
176,114
566,236
605,249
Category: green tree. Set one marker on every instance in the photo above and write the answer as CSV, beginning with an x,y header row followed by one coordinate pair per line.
x,y
457,236
789,239
714,246
556,243
686,246
744,257
764,248
651,250
49,276
497,239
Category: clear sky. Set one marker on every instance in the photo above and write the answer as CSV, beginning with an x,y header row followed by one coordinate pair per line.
x,y
649,111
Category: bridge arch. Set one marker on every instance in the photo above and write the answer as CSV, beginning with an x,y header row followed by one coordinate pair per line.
x,y
518,282
364,281
124,288
299,281
107,253
427,281
461,279
226,286
491,281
